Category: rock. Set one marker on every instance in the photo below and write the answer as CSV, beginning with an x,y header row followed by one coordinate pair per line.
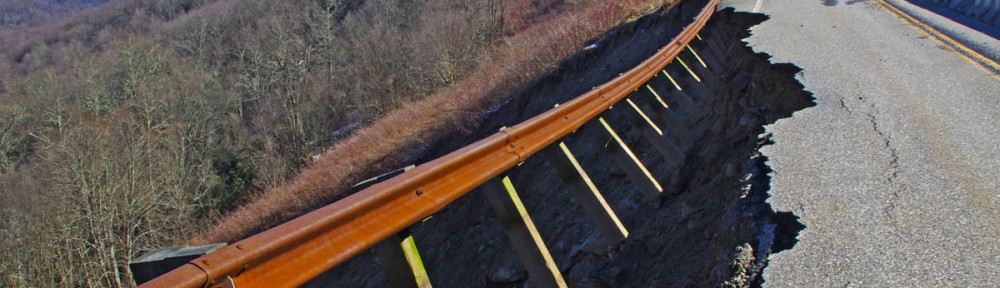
x,y
565,266
577,276
507,275
653,201
628,205
605,275
560,246
595,244
730,169
687,210
575,250
742,267
617,173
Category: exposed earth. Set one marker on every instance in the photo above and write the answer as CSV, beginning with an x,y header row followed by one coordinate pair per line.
x,y
711,226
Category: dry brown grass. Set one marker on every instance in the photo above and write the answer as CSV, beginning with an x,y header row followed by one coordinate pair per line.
x,y
537,38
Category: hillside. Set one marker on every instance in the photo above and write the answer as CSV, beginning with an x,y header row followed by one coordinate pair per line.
x,y
34,12
143,124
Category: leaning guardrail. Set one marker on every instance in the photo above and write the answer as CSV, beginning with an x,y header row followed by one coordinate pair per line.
x,y
295,252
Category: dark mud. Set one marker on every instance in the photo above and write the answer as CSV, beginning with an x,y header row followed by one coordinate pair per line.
x,y
711,227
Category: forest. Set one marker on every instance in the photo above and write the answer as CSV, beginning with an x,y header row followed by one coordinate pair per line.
x,y
136,125
32,12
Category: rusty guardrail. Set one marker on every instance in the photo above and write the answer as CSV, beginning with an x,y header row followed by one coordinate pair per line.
x,y
295,252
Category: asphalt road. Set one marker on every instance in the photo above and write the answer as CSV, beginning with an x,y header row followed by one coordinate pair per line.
x,y
896,172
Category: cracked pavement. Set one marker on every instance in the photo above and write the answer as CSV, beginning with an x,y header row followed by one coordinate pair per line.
x,y
896,172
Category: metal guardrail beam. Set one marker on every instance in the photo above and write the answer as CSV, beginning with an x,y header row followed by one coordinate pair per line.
x,y
295,252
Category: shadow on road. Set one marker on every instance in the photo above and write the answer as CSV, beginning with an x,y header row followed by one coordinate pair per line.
x,y
957,17
786,226
835,2
786,234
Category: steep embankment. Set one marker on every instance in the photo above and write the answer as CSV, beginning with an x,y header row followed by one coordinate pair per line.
x,y
392,141
711,228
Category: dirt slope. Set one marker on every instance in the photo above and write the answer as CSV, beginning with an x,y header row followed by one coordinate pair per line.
x,y
711,228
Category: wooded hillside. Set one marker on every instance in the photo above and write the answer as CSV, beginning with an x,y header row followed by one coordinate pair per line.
x,y
141,124
32,12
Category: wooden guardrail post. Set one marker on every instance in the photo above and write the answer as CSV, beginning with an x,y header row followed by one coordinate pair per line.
x,y
666,115
401,262
694,82
522,233
700,66
714,44
683,114
684,101
708,55
398,254
714,48
561,159
626,160
652,133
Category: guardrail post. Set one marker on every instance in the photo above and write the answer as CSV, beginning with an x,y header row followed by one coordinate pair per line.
x,y
709,56
714,44
715,52
670,121
676,106
626,160
699,65
561,159
401,262
694,82
652,133
683,100
522,233
720,44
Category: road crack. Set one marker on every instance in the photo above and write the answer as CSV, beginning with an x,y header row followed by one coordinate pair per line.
x,y
843,105
892,169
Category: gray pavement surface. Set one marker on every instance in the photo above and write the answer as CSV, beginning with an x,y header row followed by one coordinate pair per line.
x,y
896,172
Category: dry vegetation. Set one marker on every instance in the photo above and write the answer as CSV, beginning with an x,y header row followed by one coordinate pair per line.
x,y
32,12
144,124
551,33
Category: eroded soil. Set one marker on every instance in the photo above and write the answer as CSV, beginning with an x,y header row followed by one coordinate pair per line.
x,y
711,227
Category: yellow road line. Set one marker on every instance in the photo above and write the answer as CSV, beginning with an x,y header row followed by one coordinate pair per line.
x,y
977,59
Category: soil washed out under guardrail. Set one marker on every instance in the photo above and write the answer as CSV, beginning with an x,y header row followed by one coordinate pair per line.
x,y
710,227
